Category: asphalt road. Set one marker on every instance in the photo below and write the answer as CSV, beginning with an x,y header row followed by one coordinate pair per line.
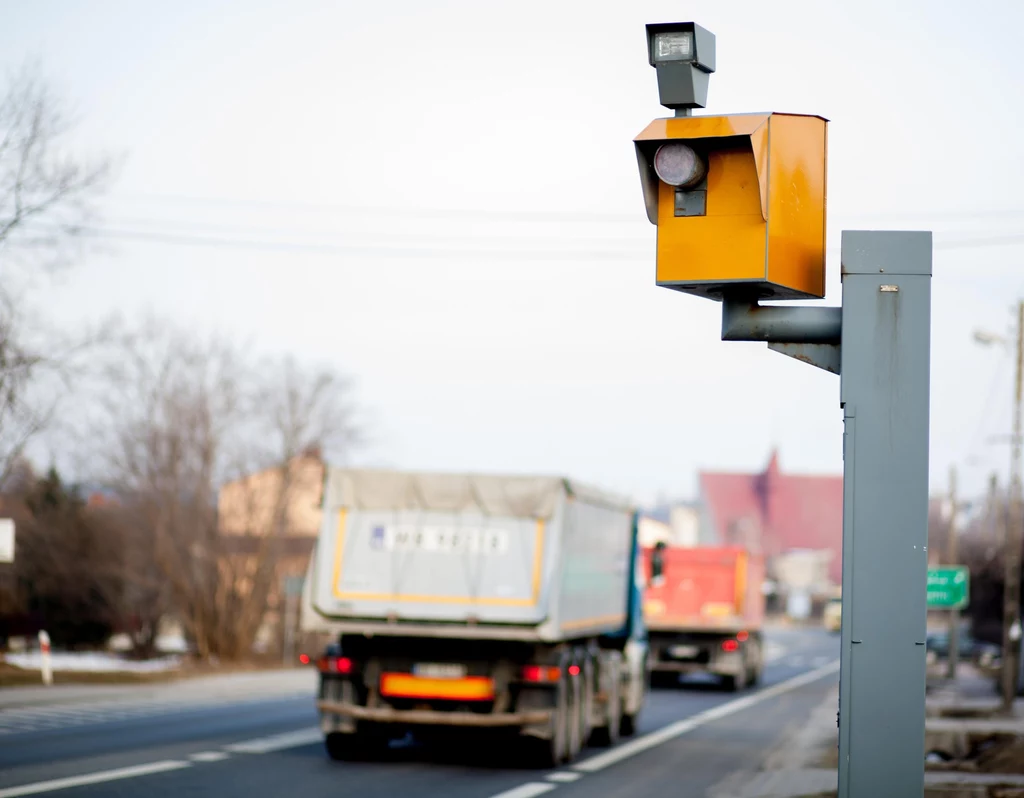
x,y
689,740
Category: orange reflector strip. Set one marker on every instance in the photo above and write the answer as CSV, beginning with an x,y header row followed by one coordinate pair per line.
x,y
405,685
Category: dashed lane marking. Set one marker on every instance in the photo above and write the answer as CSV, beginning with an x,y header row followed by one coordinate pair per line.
x,y
209,756
564,777
278,742
94,778
529,790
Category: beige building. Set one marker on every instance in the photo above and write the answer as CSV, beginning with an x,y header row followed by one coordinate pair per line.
x,y
274,513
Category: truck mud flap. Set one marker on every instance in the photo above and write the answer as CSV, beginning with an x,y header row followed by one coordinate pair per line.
x,y
424,717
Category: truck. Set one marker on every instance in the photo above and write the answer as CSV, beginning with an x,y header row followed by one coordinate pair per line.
x,y
704,609
476,604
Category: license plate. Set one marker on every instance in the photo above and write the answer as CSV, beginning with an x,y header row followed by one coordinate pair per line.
x,y
683,652
438,670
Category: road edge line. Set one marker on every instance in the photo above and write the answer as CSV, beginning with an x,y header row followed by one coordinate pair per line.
x,y
679,728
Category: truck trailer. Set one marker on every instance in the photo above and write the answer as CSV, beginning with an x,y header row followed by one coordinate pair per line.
x,y
501,605
704,609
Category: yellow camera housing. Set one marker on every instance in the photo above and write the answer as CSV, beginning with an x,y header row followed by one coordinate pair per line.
x,y
756,223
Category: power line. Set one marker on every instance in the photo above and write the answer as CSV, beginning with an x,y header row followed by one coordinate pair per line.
x,y
379,250
362,250
528,215
487,213
985,414
190,228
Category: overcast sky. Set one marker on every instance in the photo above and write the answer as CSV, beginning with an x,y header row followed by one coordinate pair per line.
x,y
441,199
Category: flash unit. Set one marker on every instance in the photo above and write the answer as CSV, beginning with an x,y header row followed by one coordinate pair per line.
x,y
683,53
673,46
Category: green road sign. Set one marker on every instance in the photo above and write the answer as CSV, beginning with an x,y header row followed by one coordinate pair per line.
x,y
948,587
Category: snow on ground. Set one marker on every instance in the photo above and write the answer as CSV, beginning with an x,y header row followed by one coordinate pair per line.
x,y
90,661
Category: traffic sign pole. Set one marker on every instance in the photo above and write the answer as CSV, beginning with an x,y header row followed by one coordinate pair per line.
x,y
953,555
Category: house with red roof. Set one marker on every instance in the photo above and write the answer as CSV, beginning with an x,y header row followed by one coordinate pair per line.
x,y
775,514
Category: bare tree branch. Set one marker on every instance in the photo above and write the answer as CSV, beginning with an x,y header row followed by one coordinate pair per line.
x,y
213,444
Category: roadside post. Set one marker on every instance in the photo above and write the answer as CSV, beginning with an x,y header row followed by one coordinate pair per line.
x,y
6,540
292,591
739,203
46,664
949,588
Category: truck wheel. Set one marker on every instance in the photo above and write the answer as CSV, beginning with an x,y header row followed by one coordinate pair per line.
x,y
609,734
551,753
574,718
588,681
734,683
348,747
627,726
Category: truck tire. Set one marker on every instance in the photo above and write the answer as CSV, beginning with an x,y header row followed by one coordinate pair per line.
x,y
574,718
350,747
734,683
755,675
552,752
627,726
588,697
609,734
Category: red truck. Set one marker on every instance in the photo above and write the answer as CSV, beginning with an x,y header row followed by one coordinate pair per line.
x,y
704,609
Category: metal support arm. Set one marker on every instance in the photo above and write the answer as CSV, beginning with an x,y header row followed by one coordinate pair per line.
x,y
749,321
811,335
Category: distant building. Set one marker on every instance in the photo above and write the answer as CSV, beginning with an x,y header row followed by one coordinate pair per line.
x,y
796,521
265,503
677,523
651,530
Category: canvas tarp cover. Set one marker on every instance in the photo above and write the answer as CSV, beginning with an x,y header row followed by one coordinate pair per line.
x,y
493,495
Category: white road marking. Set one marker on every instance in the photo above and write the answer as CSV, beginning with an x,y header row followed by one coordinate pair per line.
x,y
682,727
93,778
209,756
528,790
773,652
817,662
278,742
564,777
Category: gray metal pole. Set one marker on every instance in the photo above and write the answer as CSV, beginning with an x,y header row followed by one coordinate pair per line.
x,y
1012,554
885,399
880,343
288,646
953,557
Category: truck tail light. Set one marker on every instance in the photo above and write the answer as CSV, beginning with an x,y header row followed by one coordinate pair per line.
x,y
742,636
341,665
541,673
730,645
574,670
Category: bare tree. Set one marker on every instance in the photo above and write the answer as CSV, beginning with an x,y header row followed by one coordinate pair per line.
x,y
185,418
47,192
47,195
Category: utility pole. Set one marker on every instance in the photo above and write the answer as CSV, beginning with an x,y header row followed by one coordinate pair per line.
x,y
1012,554
952,557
